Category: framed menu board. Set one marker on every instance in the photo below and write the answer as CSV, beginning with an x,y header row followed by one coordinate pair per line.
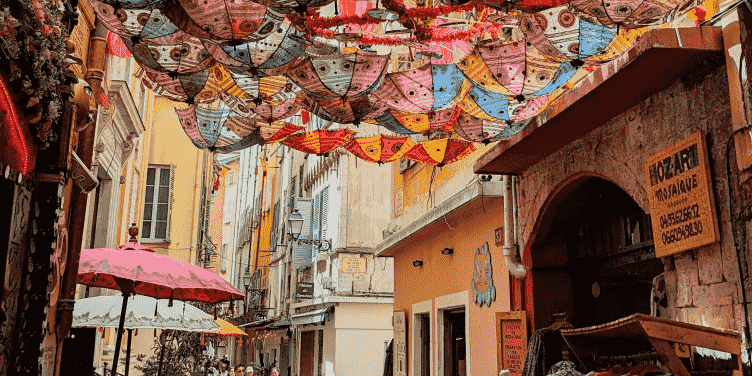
x,y
400,343
511,341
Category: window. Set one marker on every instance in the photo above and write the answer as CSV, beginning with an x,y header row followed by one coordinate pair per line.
x,y
223,259
213,196
158,203
230,177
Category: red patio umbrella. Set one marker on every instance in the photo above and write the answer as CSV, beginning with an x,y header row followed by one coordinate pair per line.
x,y
135,269
320,141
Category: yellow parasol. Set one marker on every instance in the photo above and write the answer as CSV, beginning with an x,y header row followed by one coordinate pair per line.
x,y
227,329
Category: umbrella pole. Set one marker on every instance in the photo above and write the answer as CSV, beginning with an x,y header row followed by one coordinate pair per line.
x,y
161,359
120,333
128,353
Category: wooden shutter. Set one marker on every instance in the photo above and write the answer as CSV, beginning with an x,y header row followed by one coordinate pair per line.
x,y
301,253
275,227
169,202
316,222
324,212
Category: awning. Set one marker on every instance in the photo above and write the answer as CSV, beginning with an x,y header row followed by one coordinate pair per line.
x,y
256,324
657,60
279,324
310,317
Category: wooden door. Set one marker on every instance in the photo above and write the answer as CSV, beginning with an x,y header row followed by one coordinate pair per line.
x,y
306,353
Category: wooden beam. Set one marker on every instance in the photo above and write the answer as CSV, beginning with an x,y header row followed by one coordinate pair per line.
x,y
668,354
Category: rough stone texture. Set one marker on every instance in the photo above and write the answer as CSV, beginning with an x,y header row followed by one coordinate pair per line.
x,y
703,287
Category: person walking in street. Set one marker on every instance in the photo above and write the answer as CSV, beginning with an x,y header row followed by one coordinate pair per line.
x,y
249,371
239,370
223,369
274,372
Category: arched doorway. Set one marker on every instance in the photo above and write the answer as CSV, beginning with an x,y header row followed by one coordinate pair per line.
x,y
592,256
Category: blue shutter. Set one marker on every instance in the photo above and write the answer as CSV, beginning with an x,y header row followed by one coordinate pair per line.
x,y
301,253
275,227
316,231
324,212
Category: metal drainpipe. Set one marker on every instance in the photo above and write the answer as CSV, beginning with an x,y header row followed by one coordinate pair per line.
x,y
516,268
740,247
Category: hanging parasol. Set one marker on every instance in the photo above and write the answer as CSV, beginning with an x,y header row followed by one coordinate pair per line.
x,y
298,6
217,130
232,20
149,24
320,141
514,68
188,57
278,131
495,107
227,329
424,89
440,152
344,77
276,110
380,148
349,112
407,123
480,130
135,269
562,36
526,5
630,14
266,57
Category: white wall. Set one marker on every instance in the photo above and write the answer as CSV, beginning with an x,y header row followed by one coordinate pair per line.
x,y
361,330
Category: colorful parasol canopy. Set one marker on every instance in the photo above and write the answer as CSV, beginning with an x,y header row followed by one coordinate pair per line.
x,y
343,77
485,104
150,24
515,69
440,152
422,90
320,141
265,57
104,312
278,131
187,57
526,5
343,112
227,329
380,148
484,131
217,130
299,6
630,14
408,123
231,20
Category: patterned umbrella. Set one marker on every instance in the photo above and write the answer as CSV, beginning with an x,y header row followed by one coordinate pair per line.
x,y
380,148
200,87
484,131
320,141
232,20
344,77
276,110
349,112
562,36
515,68
104,312
217,130
299,6
151,24
440,152
428,88
266,57
188,57
278,131
227,329
526,5
630,14
495,107
407,123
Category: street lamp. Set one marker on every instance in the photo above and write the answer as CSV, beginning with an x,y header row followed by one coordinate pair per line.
x,y
247,284
295,222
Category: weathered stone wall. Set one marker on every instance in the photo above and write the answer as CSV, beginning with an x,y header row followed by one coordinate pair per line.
x,y
703,283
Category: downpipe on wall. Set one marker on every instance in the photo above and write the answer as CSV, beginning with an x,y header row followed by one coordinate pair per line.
x,y
510,248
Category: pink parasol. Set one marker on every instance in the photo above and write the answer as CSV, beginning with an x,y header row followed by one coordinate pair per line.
x,y
135,269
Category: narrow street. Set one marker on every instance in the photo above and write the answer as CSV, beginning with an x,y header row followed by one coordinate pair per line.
x,y
375,187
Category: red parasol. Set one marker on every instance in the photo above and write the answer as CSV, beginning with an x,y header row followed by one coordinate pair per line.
x,y
380,148
320,141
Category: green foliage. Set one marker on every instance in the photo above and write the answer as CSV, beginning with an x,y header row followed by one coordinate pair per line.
x,y
182,353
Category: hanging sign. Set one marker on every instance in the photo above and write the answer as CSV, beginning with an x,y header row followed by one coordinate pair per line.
x,y
680,194
400,344
511,341
353,265
484,291
304,290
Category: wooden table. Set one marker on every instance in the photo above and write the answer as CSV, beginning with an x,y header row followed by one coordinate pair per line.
x,y
640,334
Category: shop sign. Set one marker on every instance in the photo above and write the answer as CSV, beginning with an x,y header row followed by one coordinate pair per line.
x,y
680,194
400,344
353,265
304,290
511,341
484,291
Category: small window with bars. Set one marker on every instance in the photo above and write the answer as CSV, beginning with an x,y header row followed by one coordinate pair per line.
x,y
158,204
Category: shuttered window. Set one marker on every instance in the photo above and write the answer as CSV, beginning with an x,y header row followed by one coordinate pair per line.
x,y
302,252
316,231
158,203
275,227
